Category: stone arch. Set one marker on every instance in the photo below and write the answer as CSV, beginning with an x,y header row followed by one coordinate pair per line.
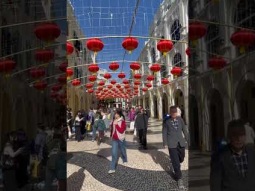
x,y
155,101
194,122
165,104
216,117
179,101
245,98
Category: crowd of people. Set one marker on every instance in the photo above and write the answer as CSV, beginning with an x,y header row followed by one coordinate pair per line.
x,y
26,163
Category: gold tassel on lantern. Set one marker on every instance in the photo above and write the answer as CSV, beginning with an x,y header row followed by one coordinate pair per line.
x,y
242,49
194,43
164,54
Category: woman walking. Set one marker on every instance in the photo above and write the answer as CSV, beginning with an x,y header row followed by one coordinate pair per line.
x,y
118,140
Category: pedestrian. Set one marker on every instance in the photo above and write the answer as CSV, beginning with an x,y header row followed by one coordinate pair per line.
x,y
250,134
233,168
99,126
141,125
131,114
118,141
173,130
77,124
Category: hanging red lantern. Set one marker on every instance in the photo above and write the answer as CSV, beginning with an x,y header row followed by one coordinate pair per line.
x,y
93,68
118,86
37,72
53,95
47,31
107,76
89,85
90,91
69,73
100,88
134,66
114,66
126,86
69,48
150,77
164,46
95,45
164,81
148,85
137,83
243,39
113,82
6,66
63,66
130,44
56,87
136,87
188,52
76,82
144,89
121,75
41,85
44,55
196,30
101,83
125,81
137,76
92,78
155,68
110,86
176,71
217,63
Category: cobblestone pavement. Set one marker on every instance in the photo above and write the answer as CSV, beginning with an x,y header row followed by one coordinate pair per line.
x,y
147,170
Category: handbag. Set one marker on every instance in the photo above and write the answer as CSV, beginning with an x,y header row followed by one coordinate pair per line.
x,y
132,125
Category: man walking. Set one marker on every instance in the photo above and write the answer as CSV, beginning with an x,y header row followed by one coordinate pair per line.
x,y
173,130
233,168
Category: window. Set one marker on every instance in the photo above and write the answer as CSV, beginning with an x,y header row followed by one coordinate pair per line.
x,y
153,55
175,30
163,70
213,40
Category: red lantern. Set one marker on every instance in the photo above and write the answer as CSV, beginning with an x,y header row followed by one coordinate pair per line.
x,y
127,86
114,66
135,66
164,46
148,85
136,87
196,30
69,73
188,52
92,78
37,72
243,39
41,85
69,48
93,68
6,66
144,89
137,76
62,79
89,85
90,91
56,87
95,45
217,63
130,44
100,88
113,82
176,71
155,67
121,75
165,81
47,31
76,82
44,55
137,83
125,81
101,83
118,86
150,78
107,76
63,66
110,86
53,94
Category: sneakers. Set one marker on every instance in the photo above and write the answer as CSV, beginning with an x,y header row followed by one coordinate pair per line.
x,y
180,184
111,171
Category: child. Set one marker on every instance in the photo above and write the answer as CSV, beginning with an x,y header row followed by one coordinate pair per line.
x,y
100,127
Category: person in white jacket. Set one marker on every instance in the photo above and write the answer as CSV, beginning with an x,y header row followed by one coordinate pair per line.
x,y
250,134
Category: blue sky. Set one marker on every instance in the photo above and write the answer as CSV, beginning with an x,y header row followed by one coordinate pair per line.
x,y
99,18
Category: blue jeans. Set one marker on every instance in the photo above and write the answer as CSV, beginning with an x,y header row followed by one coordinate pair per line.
x,y
116,146
94,132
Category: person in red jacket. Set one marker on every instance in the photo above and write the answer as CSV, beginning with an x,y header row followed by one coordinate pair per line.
x,y
118,140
